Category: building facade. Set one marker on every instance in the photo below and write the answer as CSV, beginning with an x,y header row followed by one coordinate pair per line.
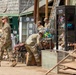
x,y
13,8
72,2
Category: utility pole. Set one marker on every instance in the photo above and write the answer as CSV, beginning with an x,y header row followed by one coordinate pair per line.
x,y
46,9
36,11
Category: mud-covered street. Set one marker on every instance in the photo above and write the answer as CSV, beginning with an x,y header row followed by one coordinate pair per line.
x,y
22,69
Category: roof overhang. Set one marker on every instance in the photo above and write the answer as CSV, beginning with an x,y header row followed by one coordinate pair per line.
x,y
5,14
31,9
27,13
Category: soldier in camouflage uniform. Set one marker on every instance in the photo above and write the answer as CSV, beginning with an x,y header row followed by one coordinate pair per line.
x,y
0,36
18,53
31,46
5,41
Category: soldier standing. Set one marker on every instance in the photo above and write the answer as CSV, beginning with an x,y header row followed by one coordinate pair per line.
x,y
5,37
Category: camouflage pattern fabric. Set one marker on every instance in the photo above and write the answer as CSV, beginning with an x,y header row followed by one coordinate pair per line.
x,y
5,39
33,52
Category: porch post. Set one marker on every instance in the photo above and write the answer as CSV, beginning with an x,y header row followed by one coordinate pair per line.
x,y
36,10
67,2
46,9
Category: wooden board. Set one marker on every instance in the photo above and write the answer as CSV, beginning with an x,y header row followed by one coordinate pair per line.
x,y
73,55
70,64
68,71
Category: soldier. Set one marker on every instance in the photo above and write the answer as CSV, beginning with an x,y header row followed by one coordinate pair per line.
x,y
47,24
31,46
18,49
14,56
39,26
0,23
5,37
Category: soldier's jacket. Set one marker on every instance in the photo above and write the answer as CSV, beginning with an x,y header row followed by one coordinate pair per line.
x,y
0,37
6,35
33,39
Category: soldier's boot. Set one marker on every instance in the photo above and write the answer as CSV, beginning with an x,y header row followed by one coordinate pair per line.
x,y
29,59
36,55
14,63
0,63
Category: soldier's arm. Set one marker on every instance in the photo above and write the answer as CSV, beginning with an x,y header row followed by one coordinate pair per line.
x,y
6,34
38,40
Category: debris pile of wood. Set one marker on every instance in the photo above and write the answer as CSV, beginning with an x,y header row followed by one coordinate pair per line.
x,y
67,64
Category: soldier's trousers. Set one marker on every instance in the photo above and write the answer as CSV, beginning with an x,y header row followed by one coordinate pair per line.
x,y
2,51
1,54
33,52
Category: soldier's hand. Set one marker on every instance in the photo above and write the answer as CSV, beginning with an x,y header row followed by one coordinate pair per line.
x,y
4,43
36,45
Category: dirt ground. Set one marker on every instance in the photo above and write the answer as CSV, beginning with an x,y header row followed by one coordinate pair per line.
x,y
22,69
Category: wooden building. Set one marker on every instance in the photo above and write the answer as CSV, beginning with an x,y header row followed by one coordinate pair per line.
x,y
13,8
19,10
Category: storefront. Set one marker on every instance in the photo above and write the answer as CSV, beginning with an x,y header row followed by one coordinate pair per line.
x,y
26,24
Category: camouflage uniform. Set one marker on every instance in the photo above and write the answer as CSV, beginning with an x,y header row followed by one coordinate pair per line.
x,y
5,41
0,42
13,58
31,48
6,35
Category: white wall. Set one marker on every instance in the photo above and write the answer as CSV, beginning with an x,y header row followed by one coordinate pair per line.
x,y
20,30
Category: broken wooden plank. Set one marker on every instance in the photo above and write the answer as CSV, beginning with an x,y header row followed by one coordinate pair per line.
x,y
59,62
70,64
73,55
68,71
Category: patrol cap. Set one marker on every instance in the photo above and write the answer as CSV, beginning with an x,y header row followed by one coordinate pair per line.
x,y
5,17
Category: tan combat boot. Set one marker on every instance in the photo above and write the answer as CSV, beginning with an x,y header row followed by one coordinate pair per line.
x,y
0,63
14,63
